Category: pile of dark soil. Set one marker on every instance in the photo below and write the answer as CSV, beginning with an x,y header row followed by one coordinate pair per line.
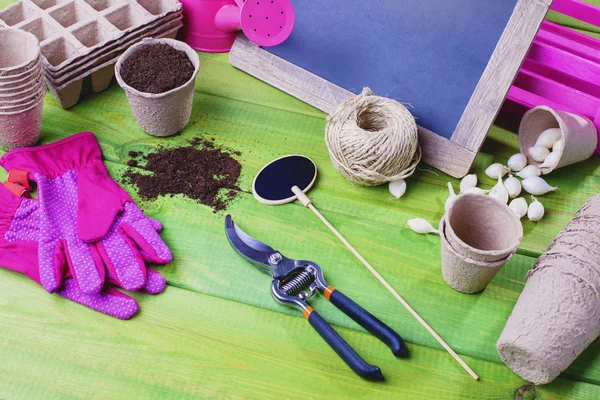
x,y
199,171
157,68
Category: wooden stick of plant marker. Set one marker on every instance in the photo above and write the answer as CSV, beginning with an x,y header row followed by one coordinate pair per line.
x,y
308,203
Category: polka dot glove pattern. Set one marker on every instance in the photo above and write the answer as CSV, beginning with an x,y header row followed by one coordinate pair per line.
x,y
59,242
131,241
89,229
19,235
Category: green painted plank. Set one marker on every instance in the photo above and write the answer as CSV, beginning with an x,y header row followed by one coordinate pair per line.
x,y
245,114
264,133
580,26
185,346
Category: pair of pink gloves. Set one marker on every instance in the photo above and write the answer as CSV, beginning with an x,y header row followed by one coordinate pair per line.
x,y
83,231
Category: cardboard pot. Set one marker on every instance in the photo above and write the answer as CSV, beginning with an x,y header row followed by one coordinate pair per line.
x,y
161,114
556,317
21,128
558,314
579,135
19,52
465,274
482,229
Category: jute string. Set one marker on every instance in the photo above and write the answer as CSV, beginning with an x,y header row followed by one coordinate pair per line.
x,y
373,140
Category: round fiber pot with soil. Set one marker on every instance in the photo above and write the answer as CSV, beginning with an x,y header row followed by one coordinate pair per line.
x,y
158,76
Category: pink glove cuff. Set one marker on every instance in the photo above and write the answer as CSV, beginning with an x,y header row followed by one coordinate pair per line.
x,y
54,159
100,199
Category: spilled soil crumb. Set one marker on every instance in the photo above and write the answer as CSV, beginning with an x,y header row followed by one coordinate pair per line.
x,y
201,171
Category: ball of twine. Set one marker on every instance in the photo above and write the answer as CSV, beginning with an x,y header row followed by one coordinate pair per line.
x,y
373,140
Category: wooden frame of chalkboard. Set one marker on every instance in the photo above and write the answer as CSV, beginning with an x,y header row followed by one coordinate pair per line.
x,y
453,156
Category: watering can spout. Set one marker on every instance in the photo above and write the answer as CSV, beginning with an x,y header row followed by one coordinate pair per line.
x,y
228,17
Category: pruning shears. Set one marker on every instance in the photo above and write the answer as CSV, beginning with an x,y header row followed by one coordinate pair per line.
x,y
296,281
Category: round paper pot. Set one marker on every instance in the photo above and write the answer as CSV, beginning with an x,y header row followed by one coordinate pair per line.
x,y
162,114
6,85
555,319
19,52
21,129
579,135
481,228
463,274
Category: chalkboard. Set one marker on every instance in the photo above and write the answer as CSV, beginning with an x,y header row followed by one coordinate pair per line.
x,y
453,61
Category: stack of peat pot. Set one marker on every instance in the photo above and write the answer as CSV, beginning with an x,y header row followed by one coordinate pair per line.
x,y
84,38
22,89
479,235
558,313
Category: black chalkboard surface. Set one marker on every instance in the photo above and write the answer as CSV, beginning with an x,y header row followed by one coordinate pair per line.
x,y
453,61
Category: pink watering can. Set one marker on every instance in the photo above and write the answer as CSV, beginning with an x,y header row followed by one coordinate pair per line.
x,y
212,25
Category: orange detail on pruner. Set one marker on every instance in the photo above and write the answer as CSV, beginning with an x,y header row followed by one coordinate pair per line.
x,y
328,291
307,311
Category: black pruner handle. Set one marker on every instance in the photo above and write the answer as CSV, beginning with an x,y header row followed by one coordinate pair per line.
x,y
368,321
343,349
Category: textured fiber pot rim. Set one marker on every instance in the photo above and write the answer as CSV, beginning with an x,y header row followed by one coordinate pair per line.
x,y
176,44
21,93
32,44
578,143
22,76
23,108
502,208
478,263
9,88
512,362
525,142
10,104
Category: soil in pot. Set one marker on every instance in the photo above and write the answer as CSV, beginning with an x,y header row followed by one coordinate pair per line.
x,y
157,68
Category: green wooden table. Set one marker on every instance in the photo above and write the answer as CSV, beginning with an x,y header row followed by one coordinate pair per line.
x,y
216,332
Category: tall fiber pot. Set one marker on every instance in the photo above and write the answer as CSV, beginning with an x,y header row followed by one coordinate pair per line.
x,y
161,114
558,313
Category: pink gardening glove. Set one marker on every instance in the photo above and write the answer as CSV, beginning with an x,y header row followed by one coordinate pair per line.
x,y
79,204
19,234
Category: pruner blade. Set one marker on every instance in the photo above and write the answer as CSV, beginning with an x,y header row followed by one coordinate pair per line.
x,y
257,253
